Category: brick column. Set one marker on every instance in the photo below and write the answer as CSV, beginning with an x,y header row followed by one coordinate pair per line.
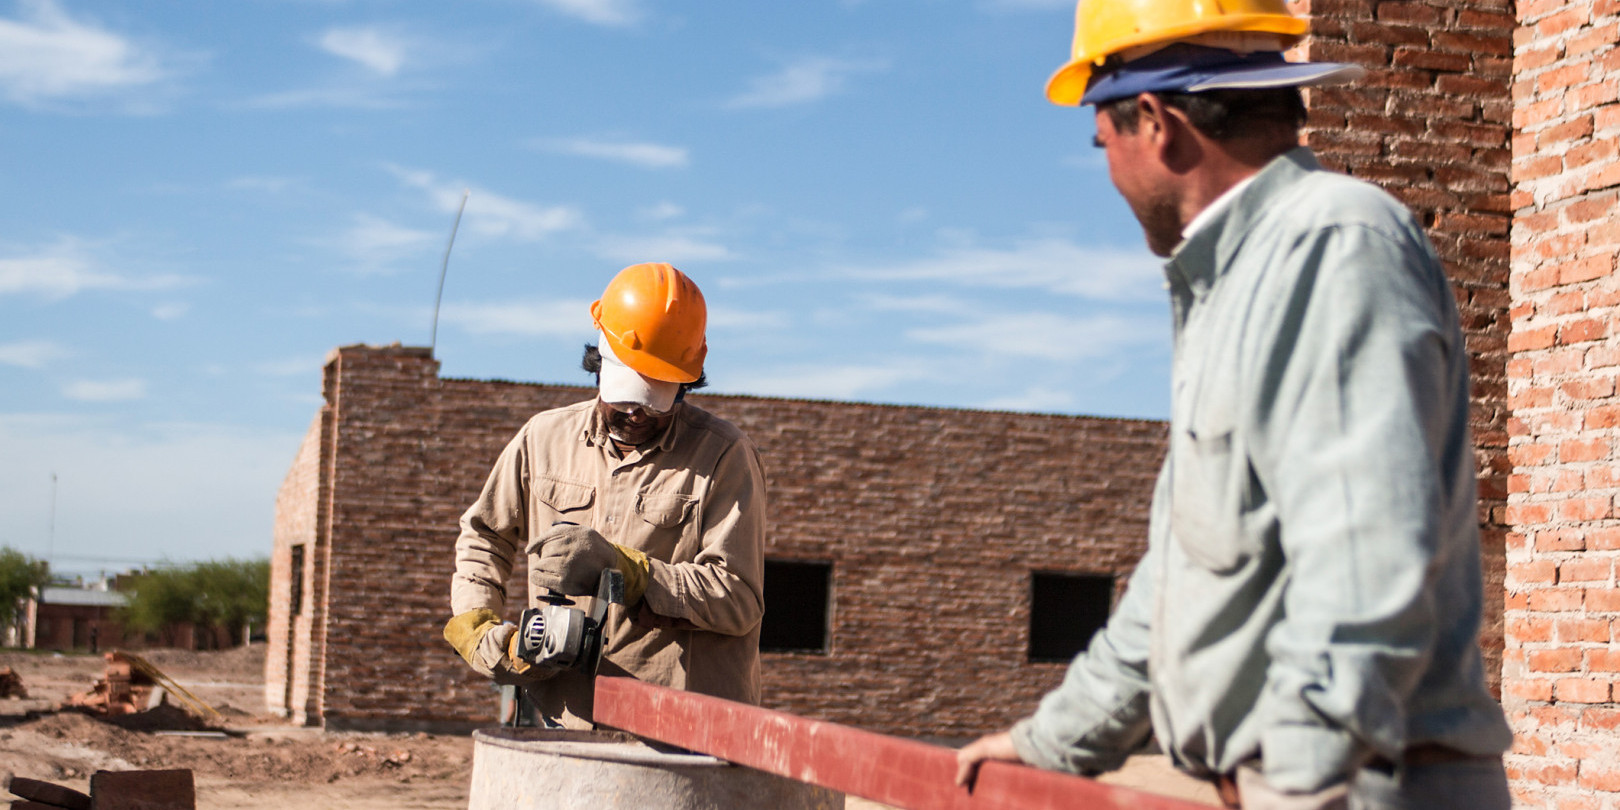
x,y
1430,124
1562,600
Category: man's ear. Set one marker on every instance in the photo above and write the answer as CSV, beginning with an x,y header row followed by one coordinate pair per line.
x,y
1156,120
1171,132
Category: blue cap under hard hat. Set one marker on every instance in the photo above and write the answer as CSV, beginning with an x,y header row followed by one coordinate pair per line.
x,y
1185,68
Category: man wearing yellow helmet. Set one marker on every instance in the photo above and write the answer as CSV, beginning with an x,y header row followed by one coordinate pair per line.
x,y
1302,630
636,479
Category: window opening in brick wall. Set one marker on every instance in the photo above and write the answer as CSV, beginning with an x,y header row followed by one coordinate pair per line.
x,y
297,580
798,599
1064,611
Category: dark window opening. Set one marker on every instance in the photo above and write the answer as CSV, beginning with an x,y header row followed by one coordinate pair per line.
x,y
1064,611
297,580
798,601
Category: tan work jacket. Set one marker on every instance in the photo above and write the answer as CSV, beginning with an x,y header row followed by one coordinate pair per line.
x,y
693,501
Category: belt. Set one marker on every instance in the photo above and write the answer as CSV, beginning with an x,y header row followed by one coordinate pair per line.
x,y
1416,756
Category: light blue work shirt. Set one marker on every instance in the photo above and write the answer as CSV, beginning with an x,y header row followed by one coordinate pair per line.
x,y
1311,592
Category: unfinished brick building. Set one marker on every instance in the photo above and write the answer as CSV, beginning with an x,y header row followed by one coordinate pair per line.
x,y
914,541
1498,123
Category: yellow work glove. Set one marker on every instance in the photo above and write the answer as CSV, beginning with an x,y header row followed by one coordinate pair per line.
x,y
485,642
571,559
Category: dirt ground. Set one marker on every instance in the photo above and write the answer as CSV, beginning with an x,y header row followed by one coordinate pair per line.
x,y
259,762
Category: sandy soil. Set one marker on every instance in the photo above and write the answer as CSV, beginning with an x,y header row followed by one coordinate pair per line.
x,y
256,762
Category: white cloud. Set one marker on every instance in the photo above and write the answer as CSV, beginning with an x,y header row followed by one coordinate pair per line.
x,y
1055,265
600,12
645,155
66,269
492,214
1045,336
661,211
105,390
46,55
1037,399
31,353
824,381
382,52
349,98
549,318
170,311
374,245
266,183
802,81
674,248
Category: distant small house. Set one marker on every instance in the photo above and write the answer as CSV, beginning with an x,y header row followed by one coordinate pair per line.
x,y
69,618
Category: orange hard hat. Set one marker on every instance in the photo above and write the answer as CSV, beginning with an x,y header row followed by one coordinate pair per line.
x,y
1103,28
654,318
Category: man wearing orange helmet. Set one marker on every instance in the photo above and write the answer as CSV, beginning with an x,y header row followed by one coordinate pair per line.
x,y
636,479
1302,629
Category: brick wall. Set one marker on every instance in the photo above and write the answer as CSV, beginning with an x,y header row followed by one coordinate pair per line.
x,y
1430,124
1562,600
295,525
932,519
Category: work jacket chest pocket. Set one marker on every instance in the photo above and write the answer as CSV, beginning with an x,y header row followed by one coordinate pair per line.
x,y
667,517
1208,476
567,500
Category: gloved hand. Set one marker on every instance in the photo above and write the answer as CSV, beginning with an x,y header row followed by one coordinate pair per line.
x,y
572,559
486,643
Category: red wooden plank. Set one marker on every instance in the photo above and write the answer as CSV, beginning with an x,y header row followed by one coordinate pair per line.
x,y
902,773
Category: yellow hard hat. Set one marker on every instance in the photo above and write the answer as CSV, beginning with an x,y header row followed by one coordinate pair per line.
x,y
653,318
1103,28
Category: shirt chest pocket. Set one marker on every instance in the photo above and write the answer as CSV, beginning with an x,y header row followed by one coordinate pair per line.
x,y
666,519
1209,473
567,499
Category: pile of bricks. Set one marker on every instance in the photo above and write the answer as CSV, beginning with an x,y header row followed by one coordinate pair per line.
x,y
109,790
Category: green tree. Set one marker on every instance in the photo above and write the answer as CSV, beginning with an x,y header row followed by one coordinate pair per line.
x,y
218,593
20,574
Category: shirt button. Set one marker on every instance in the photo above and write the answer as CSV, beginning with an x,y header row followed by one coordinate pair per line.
x,y
611,518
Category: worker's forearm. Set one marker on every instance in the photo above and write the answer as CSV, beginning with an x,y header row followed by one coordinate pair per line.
x,y
708,595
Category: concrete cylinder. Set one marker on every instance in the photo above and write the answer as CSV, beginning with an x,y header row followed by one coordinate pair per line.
x,y
556,769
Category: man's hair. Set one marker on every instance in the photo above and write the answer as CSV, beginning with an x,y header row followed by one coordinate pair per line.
x,y
592,362
1222,114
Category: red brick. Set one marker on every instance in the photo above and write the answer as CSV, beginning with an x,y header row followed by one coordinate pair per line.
x,y
1551,773
1583,450
1588,388
1560,659
1535,572
1571,130
1585,569
1600,719
1553,600
143,790
1584,509
1582,690
1558,541
1580,331
1530,630
1603,539
1579,630
1527,689
1573,17
1603,660
1529,339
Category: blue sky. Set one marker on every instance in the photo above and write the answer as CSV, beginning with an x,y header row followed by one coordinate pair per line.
x,y
203,198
